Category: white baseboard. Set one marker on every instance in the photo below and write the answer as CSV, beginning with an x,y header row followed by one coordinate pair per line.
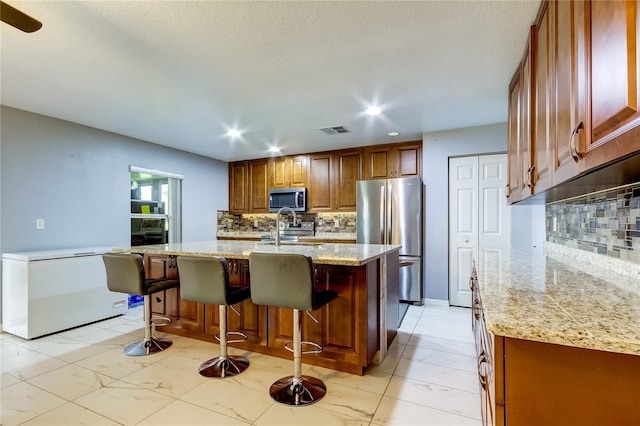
x,y
435,302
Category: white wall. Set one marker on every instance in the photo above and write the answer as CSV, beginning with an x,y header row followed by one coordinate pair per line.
x,y
77,179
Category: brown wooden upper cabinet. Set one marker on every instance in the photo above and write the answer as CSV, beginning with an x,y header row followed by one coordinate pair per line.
x,y
239,187
259,186
513,190
583,111
332,180
393,160
519,143
544,124
288,172
249,186
569,107
612,30
330,177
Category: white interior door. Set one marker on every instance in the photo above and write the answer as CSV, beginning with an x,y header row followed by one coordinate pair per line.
x,y
494,236
463,226
478,218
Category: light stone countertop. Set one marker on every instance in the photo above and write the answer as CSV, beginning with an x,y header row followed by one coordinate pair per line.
x,y
323,253
547,296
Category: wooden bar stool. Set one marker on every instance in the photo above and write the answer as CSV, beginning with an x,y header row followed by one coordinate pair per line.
x,y
125,274
206,280
285,280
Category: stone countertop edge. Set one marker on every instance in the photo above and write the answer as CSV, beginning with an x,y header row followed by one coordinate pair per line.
x,y
550,298
318,236
326,253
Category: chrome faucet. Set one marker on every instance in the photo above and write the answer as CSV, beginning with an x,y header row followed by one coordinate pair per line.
x,y
295,222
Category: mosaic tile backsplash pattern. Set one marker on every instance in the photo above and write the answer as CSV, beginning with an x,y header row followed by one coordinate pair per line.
x,y
325,222
606,223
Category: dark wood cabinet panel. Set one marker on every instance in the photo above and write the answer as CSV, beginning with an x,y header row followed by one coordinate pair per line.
x,y
393,160
525,123
513,191
259,186
239,187
569,110
614,67
348,172
320,181
378,162
613,81
409,159
288,172
332,180
543,108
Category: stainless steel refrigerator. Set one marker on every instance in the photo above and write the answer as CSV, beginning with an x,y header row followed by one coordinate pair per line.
x,y
389,211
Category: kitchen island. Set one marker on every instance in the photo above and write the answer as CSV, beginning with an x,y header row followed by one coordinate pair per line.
x,y
353,329
557,337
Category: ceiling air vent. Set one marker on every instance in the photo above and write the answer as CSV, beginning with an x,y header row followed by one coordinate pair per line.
x,y
334,130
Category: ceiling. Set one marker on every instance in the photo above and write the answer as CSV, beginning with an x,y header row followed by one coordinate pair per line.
x,y
182,73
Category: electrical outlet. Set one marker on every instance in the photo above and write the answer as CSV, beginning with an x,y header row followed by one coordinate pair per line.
x,y
39,223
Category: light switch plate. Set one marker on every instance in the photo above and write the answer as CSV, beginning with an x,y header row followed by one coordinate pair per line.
x,y
39,223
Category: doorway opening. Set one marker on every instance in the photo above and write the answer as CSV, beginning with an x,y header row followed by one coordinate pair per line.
x,y
156,207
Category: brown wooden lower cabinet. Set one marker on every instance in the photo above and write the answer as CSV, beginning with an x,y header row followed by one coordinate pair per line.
x,y
347,327
524,383
547,384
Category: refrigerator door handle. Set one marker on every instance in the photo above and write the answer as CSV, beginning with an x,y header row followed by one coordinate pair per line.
x,y
389,224
383,209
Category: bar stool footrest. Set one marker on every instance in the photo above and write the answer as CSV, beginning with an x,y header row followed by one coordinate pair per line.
x,y
233,333
316,347
160,320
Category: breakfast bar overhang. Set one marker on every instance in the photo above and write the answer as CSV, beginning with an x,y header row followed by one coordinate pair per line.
x,y
355,330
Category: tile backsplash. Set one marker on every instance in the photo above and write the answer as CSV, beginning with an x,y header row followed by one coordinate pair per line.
x,y
604,222
324,222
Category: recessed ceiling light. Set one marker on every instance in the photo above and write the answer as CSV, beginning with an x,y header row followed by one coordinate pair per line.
x,y
372,110
233,133
274,149
393,134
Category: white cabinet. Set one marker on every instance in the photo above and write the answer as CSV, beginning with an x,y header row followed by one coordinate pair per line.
x,y
48,291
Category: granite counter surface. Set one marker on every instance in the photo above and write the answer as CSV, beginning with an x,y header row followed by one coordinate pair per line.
x,y
323,253
543,296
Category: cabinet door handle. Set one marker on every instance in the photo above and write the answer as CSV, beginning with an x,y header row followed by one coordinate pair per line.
x,y
572,143
529,177
526,178
507,190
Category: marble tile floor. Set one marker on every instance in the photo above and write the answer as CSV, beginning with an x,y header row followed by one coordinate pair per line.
x,y
81,377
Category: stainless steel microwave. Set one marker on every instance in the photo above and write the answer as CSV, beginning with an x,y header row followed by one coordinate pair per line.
x,y
294,198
